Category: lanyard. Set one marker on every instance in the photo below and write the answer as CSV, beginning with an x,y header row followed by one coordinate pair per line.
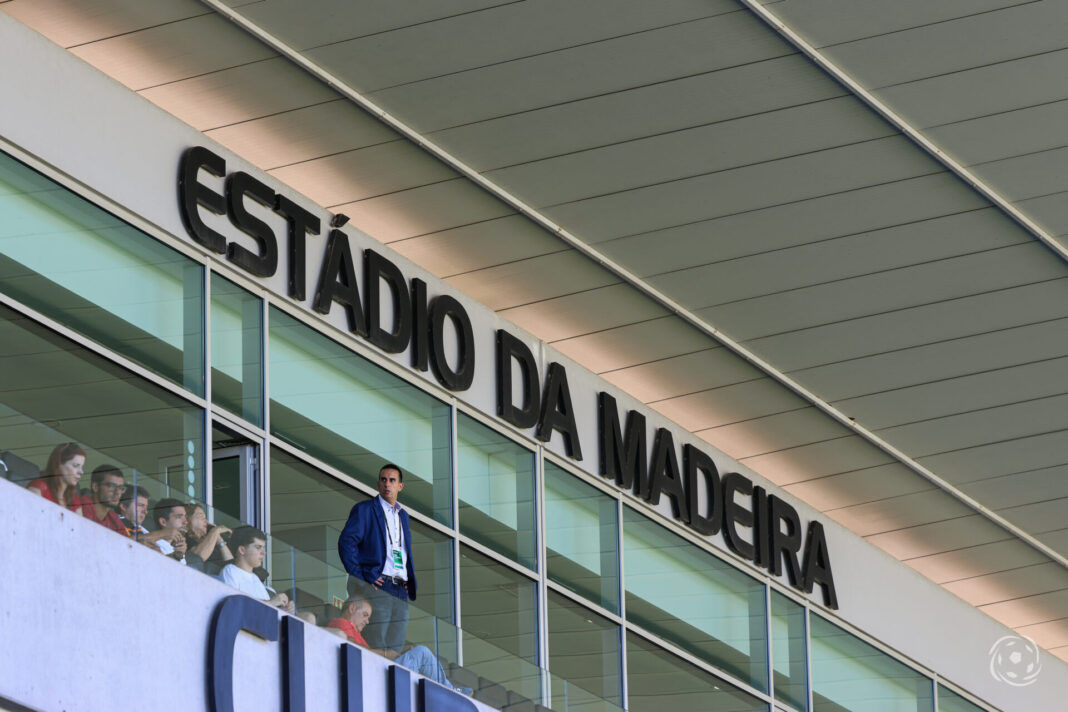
x,y
389,532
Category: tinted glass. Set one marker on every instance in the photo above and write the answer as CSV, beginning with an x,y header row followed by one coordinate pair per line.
x,y
85,268
584,650
788,654
236,350
356,416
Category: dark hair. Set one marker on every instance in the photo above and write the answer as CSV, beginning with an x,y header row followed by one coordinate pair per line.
x,y
243,536
134,492
59,455
391,466
103,471
163,508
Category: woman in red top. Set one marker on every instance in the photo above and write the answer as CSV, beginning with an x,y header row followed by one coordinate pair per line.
x,y
59,481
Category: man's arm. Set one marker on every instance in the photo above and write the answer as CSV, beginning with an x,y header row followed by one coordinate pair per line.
x,y
348,544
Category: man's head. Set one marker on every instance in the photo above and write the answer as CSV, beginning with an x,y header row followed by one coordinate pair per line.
x,y
134,504
107,485
357,610
170,514
249,545
390,482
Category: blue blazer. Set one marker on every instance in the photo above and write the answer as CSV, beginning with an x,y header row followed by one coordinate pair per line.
x,y
362,544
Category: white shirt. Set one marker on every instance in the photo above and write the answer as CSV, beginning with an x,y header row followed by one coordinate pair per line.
x,y
394,540
166,547
245,582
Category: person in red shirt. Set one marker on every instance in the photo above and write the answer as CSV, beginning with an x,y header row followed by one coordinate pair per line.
x,y
107,485
356,613
59,481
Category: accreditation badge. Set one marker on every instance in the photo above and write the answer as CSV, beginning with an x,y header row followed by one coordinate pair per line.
x,y
398,558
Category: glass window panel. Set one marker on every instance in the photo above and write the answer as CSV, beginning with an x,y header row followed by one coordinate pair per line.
x,y
87,269
658,681
584,651
849,675
356,416
496,483
693,599
950,701
53,391
497,606
236,350
581,537
788,651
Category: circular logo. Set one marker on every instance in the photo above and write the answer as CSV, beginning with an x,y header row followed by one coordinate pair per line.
x,y
1014,660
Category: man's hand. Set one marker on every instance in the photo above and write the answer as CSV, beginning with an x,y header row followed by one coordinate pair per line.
x,y
378,582
282,601
178,542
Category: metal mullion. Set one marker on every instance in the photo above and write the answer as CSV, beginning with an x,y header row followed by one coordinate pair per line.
x,y
103,351
263,474
768,644
622,602
539,548
808,656
208,448
499,558
698,662
222,415
454,541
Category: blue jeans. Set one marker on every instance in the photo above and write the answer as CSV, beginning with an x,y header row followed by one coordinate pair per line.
x,y
419,659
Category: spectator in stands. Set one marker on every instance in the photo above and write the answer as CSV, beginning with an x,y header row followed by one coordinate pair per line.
x,y
59,481
249,546
106,486
356,613
206,539
171,523
133,506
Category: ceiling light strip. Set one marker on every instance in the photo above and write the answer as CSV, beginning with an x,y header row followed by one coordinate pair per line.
x,y
648,290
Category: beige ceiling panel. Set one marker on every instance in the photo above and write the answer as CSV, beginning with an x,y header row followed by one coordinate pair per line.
x,y
533,280
635,113
688,373
987,389
1049,211
793,224
825,22
1021,488
859,258
1057,539
477,246
946,47
174,51
1002,135
1028,176
773,433
364,173
985,461
337,20
971,429
303,134
696,151
751,188
843,304
1049,635
239,94
928,539
597,310
424,210
496,35
907,328
818,460
73,22
1039,517
615,65
966,95
1009,585
860,486
620,355
979,560
897,513
729,404
1046,337
1041,608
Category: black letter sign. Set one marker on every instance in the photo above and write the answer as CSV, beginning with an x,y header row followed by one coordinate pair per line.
x,y
510,347
557,413
192,194
622,455
459,378
265,263
337,283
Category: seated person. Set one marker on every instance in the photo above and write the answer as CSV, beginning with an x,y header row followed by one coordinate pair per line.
x,y
59,480
133,506
205,539
106,487
249,546
356,613
170,525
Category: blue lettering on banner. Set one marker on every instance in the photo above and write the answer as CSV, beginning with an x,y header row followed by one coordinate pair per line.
x,y
241,613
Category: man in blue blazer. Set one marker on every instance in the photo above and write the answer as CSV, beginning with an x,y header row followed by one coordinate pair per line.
x,y
376,549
